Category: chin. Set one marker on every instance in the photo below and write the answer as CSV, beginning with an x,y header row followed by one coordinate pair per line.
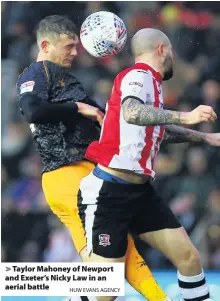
x,y
68,64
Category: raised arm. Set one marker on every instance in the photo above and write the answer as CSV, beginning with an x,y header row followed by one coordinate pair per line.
x,y
138,93
136,112
33,90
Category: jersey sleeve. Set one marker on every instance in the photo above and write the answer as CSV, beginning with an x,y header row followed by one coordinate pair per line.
x,y
35,80
138,84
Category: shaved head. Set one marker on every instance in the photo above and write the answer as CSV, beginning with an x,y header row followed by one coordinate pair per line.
x,y
146,40
153,46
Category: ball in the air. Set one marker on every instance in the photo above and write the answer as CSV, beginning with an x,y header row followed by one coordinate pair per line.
x,y
103,34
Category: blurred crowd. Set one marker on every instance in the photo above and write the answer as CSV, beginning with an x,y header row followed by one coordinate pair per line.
x,y
188,176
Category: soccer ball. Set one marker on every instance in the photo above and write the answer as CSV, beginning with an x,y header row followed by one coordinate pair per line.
x,y
103,34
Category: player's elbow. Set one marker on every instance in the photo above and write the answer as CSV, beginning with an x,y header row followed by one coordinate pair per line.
x,y
30,107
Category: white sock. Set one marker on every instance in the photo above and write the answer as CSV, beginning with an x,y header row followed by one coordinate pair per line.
x,y
194,288
92,298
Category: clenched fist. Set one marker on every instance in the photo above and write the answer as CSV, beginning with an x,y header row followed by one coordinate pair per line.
x,y
200,114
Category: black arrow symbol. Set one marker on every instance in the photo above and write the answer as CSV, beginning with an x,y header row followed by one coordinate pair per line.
x,y
8,269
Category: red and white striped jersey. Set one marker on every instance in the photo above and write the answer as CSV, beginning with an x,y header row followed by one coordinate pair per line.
x,y
129,146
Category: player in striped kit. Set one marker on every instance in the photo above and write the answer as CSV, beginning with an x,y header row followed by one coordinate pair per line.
x,y
61,117
118,196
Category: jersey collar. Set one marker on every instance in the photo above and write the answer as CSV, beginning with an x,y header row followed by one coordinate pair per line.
x,y
146,67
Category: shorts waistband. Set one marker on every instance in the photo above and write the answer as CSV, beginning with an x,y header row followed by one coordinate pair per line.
x,y
101,174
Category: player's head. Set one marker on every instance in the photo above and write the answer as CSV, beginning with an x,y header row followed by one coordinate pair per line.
x,y
57,40
152,44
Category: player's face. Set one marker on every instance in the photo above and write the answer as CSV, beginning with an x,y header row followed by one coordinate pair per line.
x,y
168,63
64,50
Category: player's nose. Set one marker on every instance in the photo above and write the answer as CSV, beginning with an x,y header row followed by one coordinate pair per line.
x,y
73,52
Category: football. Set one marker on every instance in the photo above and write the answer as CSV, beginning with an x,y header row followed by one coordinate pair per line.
x,y
103,34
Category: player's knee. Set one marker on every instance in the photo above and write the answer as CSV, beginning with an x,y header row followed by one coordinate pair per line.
x,y
108,298
189,258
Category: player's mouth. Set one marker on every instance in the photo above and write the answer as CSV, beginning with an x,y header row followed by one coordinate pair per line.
x,y
69,62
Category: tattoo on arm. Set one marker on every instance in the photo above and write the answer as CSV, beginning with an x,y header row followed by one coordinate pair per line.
x,y
178,134
135,112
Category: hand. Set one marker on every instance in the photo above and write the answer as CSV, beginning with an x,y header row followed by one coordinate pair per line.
x,y
213,139
90,112
200,114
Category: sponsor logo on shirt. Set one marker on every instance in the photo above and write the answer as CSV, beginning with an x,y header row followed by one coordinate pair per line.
x,y
136,83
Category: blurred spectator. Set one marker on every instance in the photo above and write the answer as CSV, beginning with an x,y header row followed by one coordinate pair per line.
x,y
197,180
184,208
207,233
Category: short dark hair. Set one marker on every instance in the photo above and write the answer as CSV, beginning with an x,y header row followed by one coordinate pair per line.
x,y
53,26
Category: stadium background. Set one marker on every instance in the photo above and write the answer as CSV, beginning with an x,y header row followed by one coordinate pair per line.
x,y
188,176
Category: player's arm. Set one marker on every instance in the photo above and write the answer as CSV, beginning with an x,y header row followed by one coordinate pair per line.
x,y
36,110
33,89
178,134
138,109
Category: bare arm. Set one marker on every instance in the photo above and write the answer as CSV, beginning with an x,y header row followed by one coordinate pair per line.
x,y
138,113
178,134
135,112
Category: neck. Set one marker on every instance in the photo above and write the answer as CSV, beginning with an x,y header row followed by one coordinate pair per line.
x,y
151,61
41,57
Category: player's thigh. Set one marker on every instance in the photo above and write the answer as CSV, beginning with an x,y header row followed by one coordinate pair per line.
x,y
61,186
156,224
173,243
152,213
105,216
61,189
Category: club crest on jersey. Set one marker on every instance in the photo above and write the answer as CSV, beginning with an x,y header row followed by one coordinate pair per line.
x,y
104,240
27,87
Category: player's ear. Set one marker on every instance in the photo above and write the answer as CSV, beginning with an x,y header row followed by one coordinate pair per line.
x,y
45,46
160,50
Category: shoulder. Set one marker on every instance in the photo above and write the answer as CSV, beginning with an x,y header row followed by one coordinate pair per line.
x,y
134,76
33,78
134,73
35,71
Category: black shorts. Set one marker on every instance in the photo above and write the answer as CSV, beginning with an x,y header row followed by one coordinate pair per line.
x,y
109,211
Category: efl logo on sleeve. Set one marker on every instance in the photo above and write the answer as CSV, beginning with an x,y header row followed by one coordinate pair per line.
x,y
27,87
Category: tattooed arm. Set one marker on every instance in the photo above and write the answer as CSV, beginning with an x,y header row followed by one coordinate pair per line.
x,y
178,134
138,113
